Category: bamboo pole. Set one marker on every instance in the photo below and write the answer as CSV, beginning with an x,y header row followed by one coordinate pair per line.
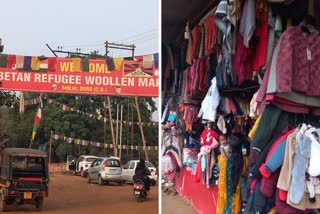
x,y
132,129
117,127
128,127
111,126
121,113
105,126
141,129
50,144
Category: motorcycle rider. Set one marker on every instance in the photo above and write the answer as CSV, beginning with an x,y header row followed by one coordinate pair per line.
x,y
142,173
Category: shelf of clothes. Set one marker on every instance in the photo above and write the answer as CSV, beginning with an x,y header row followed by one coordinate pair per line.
x,y
250,69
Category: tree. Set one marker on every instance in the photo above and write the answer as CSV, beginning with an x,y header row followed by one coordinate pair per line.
x,y
76,125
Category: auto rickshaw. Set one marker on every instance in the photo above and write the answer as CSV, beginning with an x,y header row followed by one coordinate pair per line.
x,y
24,177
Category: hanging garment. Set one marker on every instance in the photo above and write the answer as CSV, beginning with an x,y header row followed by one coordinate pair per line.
x,y
222,185
203,74
210,103
275,155
243,61
236,202
170,141
200,53
300,161
272,118
283,208
222,125
271,168
213,61
209,138
314,168
261,43
211,31
223,23
285,173
167,165
228,208
297,62
271,36
248,23
195,42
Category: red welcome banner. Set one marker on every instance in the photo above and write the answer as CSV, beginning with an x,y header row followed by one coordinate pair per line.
x,y
115,77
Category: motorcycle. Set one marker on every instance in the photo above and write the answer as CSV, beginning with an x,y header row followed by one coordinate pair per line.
x,y
139,190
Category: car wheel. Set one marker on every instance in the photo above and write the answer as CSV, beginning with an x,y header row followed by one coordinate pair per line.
x,y
88,178
100,181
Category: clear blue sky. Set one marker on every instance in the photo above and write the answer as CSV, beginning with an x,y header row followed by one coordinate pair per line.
x,y
26,26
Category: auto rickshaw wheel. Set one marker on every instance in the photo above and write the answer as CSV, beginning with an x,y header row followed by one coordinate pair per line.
x,y
3,205
39,204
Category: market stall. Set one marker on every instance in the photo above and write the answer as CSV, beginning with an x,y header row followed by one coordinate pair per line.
x,y
239,85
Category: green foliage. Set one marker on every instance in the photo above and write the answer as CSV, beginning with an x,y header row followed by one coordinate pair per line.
x,y
72,124
63,149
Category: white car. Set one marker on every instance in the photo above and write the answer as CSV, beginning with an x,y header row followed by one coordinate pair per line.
x,y
130,167
81,165
104,170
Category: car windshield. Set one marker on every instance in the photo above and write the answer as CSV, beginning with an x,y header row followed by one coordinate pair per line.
x,y
112,163
149,164
27,166
90,159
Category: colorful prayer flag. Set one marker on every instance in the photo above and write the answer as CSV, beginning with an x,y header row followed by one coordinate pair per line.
x,y
37,121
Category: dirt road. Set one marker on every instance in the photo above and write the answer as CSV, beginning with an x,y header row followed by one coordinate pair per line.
x,y
70,194
172,204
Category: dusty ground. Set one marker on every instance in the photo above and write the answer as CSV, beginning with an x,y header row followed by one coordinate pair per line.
x,y
173,204
70,194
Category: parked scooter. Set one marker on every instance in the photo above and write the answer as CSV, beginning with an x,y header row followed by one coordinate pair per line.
x,y
139,190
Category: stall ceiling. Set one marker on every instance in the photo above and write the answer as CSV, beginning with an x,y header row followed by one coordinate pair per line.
x,y
176,13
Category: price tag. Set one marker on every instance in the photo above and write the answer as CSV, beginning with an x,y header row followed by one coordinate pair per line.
x,y
309,57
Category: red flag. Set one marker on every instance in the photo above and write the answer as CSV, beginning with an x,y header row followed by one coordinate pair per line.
x,y
37,120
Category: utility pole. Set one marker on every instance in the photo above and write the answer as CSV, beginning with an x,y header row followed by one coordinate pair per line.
x,y
78,52
119,46
1,46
